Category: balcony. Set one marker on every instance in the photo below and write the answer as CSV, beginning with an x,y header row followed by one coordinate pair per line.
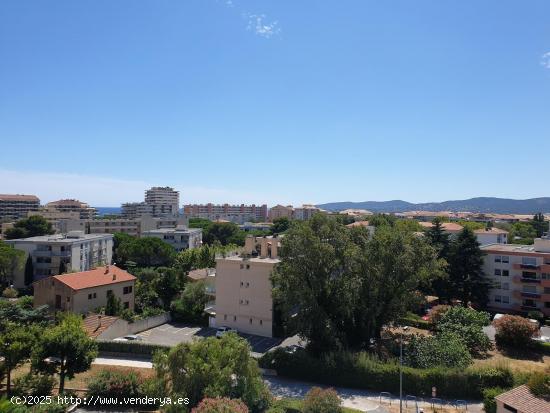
x,y
527,267
210,290
529,307
530,295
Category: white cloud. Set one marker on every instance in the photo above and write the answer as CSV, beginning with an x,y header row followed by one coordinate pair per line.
x,y
104,192
259,25
545,60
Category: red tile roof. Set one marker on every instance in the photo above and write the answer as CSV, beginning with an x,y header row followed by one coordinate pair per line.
x,y
95,278
524,401
490,231
95,324
447,226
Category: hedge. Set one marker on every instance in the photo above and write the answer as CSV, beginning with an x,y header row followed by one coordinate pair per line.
x,y
542,347
363,371
133,347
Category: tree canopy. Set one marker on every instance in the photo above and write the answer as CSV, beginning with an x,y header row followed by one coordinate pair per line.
x,y
32,226
10,260
338,287
144,252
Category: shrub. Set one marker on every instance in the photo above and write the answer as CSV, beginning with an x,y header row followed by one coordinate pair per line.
x,y
143,349
437,312
539,384
514,331
9,292
536,315
364,371
416,321
444,349
318,400
115,384
467,324
489,402
220,405
33,384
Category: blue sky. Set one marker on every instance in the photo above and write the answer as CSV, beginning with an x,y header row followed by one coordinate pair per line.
x,y
275,101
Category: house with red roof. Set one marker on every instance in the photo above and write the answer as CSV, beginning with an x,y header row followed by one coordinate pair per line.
x,y
85,291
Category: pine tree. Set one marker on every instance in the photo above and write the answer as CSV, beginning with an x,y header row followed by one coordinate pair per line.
x,y
466,269
29,271
439,239
540,225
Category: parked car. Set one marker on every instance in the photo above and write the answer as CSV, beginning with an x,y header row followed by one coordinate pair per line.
x,y
223,330
131,337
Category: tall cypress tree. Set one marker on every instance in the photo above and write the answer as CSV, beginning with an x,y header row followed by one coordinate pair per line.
x,y
29,271
466,269
439,239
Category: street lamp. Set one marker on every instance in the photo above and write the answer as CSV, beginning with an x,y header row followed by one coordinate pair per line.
x,y
405,328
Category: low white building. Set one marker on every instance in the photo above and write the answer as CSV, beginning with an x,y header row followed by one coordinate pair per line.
x,y
488,236
181,237
74,251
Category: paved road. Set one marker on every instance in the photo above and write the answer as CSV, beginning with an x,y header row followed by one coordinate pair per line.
x,y
124,362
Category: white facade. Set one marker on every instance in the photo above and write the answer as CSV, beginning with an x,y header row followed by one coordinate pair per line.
x,y
163,200
491,236
75,251
180,238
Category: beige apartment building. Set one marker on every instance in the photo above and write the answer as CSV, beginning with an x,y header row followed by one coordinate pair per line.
x,y
520,276
280,211
238,214
243,287
14,207
85,291
133,210
74,251
83,210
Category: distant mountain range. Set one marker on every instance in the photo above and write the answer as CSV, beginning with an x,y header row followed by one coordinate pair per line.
x,y
482,204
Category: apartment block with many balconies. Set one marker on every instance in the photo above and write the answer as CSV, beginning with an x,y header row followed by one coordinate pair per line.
x,y
164,201
238,214
520,276
54,254
17,206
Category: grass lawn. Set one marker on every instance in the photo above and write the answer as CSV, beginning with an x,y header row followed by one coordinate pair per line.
x,y
80,380
527,361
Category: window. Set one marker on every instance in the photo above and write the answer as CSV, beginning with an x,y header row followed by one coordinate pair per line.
x,y
498,258
505,259
547,304
109,292
247,266
247,285
225,316
498,299
127,290
545,276
126,304
529,289
531,261
506,299
505,273
546,290
89,296
261,321
68,299
242,266
95,295
529,274
242,283
234,318
250,321
497,271
505,286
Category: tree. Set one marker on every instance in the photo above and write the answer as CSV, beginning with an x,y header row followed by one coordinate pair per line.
x,y
439,239
223,232
220,405
190,306
444,349
339,287
213,368
319,400
145,252
29,271
62,267
10,260
280,225
514,331
466,324
68,344
466,269
539,224
522,233
113,306
16,343
32,226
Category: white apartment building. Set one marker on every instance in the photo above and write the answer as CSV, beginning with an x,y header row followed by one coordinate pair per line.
x,y
488,236
239,214
84,210
180,238
163,200
132,210
17,206
75,251
243,287
305,212
520,275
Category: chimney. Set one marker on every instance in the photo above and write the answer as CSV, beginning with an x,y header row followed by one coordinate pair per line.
x,y
107,269
114,277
